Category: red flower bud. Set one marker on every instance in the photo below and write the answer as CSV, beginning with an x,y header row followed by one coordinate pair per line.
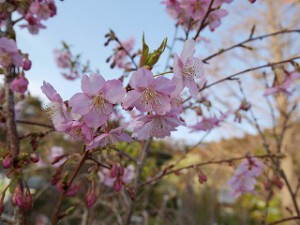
x,y
6,163
27,64
17,197
90,199
118,184
28,203
202,178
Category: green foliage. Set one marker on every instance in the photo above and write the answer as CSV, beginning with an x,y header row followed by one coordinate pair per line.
x,y
150,59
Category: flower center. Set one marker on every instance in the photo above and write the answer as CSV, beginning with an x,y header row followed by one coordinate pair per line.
x,y
98,103
189,71
76,132
6,60
150,97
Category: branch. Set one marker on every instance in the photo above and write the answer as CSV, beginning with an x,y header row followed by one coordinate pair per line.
x,y
56,215
204,18
231,77
285,220
250,39
166,173
140,165
34,123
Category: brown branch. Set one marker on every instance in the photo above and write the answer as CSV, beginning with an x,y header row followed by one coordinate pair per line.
x,y
285,220
166,173
56,215
250,39
204,18
140,166
34,123
231,77
125,50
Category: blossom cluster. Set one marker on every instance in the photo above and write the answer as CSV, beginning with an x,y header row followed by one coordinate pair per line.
x,y
244,178
10,56
118,58
157,99
70,65
37,11
189,13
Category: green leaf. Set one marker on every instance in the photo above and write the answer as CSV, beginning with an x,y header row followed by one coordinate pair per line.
x,y
145,52
154,57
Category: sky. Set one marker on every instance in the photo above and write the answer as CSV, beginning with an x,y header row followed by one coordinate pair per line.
x,y
84,23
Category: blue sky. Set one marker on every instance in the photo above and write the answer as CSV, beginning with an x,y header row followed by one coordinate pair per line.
x,y
83,24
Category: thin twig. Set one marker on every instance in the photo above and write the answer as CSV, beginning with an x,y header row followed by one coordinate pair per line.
x,y
204,18
284,220
250,39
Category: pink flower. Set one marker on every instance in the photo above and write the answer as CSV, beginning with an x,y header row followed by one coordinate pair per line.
x,y
117,176
57,109
33,25
110,138
243,180
158,126
289,80
95,104
38,10
19,84
62,58
149,94
78,130
9,53
187,68
214,18
206,124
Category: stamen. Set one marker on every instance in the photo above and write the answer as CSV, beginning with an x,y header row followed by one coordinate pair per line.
x,y
150,97
98,103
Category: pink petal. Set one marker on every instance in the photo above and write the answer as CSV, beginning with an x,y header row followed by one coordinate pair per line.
x,y
141,79
80,103
92,85
114,91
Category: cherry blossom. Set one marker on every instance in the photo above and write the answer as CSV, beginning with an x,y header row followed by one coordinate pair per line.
x,y
57,109
149,94
9,53
19,84
158,126
244,178
96,102
78,130
117,176
109,138
187,68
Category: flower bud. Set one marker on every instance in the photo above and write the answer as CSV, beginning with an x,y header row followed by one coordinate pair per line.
x,y
28,203
118,184
17,197
202,178
90,198
27,64
6,163
277,182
